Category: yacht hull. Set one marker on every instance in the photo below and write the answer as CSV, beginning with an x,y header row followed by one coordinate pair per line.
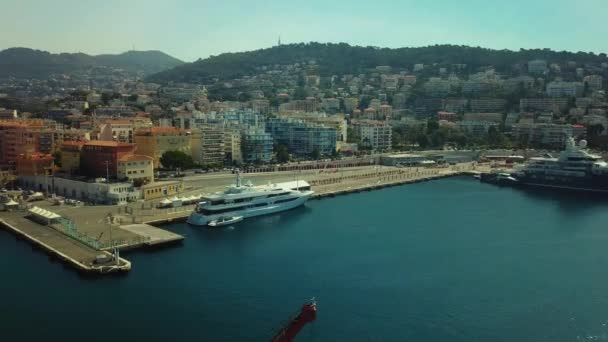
x,y
198,219
597,184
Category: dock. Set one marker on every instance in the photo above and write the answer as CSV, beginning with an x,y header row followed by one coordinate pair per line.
x,y
153,236
88,233
64,248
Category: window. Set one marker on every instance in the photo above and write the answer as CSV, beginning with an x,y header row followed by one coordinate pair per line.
x,y
286,200
280,194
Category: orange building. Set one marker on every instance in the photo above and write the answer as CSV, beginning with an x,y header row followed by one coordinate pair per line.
x,y
19,137
34,164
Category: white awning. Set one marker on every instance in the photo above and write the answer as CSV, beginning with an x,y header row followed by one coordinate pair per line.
x,y
11,203
49,215
165,201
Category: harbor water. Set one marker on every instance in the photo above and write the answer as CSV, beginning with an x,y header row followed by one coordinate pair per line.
x,y
447,260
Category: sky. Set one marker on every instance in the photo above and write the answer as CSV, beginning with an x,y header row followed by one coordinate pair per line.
x,y
192,29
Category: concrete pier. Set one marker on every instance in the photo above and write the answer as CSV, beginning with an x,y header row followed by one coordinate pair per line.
x,y
86,232
56,244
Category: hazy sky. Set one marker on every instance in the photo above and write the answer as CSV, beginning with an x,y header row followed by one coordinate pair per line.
x,y
189,29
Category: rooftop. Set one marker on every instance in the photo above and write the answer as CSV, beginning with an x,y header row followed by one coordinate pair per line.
x,y
107,143
135,157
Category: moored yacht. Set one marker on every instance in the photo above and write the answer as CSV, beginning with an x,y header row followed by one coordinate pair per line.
x,y
247,200
575,169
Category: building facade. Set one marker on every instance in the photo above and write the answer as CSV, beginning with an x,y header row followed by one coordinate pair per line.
x,y
155,141
257,145
136,168
99,159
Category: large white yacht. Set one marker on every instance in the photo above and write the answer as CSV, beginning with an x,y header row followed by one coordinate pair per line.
x,y
247,200
575,169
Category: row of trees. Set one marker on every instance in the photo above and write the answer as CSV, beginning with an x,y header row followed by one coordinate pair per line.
x,y
432,135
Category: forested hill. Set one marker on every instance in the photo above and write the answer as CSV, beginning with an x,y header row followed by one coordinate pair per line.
x,y
346,59
30,63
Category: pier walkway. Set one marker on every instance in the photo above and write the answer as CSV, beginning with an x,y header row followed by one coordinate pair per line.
x,y
57,244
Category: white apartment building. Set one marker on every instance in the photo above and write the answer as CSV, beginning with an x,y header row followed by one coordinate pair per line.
x,y
375,134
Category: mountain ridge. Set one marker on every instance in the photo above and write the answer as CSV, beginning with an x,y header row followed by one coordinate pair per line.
x,y
342,58
27,62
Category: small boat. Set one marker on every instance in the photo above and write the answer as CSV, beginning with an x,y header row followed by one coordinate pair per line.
x,y
222,221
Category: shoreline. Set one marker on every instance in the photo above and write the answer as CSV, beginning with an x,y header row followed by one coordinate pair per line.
x,y
144,228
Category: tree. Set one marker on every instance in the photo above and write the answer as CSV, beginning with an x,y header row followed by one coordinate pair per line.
x,y
422,140
316,154
432,125
282,154
176,159
300,93
57,157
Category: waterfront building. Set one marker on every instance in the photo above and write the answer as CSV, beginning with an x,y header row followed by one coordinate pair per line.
x,y
212,144
257,145
99,192
547,134
137,168
17,138
155,141
100,158
376,135
302,138
232,146
337,122
70,156
34,164
161,189
402,159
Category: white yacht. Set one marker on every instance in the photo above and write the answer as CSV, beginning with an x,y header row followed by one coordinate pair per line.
x,y
247,200
575,169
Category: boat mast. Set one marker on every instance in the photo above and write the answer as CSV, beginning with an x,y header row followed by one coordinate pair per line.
x,y
238,179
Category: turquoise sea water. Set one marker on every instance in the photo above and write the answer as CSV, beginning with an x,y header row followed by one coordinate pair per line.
x,y
447,260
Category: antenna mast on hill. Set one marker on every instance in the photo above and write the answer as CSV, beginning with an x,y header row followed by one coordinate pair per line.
x,y
279,40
